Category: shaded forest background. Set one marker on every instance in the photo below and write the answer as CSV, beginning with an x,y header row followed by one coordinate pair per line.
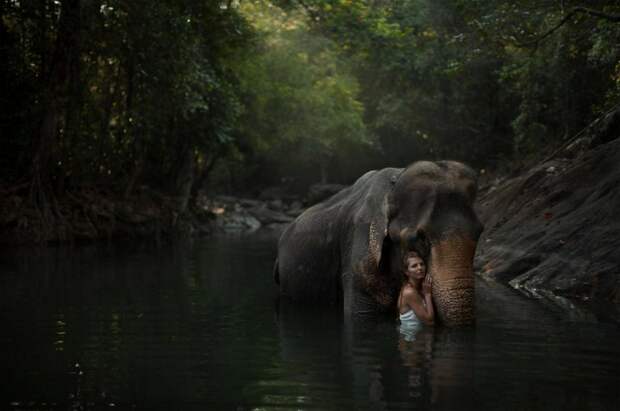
x,y
237,96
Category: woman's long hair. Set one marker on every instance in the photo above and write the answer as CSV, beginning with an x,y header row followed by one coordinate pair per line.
x,y
408,255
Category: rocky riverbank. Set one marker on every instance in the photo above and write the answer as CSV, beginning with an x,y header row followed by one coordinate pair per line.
x,y
92,213
552,231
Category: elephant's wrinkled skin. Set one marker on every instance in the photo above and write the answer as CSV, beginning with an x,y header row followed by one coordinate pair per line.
x,y
348,249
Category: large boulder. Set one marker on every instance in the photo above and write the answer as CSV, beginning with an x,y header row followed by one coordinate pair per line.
x,y
267,215
553,232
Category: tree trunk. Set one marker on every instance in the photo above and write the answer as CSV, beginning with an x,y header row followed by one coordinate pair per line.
x,y
185,180
202,176
104,126
73,112
136,170
66,56
138,148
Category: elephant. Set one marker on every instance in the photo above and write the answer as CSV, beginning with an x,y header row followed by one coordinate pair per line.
x,y
349,248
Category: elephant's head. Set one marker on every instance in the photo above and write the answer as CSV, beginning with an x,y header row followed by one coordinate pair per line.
x,y
430,210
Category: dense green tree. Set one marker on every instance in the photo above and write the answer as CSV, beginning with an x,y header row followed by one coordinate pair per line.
x,y
181,95
300,100
117,93
475,80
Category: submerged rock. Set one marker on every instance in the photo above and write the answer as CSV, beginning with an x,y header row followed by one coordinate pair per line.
x,y
238,221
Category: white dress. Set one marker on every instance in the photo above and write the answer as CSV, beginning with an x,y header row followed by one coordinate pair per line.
x,y
409,325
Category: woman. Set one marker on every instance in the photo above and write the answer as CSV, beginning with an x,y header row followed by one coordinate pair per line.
x,y
415,303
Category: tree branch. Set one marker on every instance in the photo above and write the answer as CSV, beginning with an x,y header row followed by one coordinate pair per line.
x,y
573,12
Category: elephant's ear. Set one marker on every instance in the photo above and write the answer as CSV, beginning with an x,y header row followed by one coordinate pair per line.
x,y
379,218
372,231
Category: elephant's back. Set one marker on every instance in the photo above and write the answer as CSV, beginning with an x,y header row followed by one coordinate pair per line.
x,y
373,183
323,226
310,250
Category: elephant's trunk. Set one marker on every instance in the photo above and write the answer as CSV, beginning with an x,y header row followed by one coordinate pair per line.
x,y
451,267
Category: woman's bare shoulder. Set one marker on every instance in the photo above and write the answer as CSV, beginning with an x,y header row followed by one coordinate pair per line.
x,y
410,293
409,290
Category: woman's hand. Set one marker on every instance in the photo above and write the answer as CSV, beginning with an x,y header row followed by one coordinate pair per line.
x,y
427,285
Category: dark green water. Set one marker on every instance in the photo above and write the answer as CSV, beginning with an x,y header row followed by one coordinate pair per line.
x,y
197,326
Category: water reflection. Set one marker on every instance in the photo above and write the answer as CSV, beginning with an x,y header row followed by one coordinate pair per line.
x,y
416,349
197,325
364,362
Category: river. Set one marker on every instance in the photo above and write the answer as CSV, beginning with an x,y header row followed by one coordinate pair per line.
x,y
197,325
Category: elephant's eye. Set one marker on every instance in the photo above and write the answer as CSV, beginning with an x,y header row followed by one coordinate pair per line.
x,y
471,190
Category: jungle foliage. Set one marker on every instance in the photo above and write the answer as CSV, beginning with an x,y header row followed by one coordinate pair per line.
x,y
235,95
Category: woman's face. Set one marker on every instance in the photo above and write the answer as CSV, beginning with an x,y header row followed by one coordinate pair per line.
x,y
416,268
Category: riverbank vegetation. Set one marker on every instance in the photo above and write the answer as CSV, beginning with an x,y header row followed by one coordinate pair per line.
x,y
106,100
